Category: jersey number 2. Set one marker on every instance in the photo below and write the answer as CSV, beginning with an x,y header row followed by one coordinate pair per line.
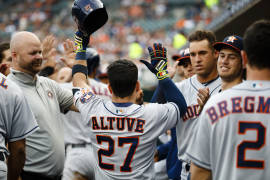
x,y
253,145
133,141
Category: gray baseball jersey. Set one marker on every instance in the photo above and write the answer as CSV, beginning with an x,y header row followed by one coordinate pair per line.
x,y
45,151
17,120
80,159
186,126
74,130
232,138
124,135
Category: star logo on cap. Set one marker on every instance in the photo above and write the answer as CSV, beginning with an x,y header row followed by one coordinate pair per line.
x,y
231,39
88,7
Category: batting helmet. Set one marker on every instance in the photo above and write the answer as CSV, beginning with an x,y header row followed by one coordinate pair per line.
x,y
89,15
93,59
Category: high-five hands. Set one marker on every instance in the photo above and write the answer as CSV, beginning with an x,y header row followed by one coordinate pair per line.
x,y
158,65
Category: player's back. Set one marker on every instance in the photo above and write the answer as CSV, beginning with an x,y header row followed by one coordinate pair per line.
x,y
238,120
124,135
74,131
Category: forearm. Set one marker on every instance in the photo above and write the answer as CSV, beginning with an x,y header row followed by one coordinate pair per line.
x,y
163,150
16,159
172,94
198,173
79,78
79,70
158,96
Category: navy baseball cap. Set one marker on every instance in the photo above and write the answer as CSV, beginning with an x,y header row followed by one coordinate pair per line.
x,y
235,42
183,55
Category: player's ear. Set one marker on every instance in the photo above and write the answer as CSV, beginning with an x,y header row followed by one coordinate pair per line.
x,y
138,86
244,58
13,55
216,53
110,88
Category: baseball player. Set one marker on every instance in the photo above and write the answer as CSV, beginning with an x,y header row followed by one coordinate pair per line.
x,y
204,61
229,64
185,64
169,150
79,155
124,134
231,140
16,123
5,58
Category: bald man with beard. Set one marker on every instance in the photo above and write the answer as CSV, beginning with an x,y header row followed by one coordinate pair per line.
x,y
45,152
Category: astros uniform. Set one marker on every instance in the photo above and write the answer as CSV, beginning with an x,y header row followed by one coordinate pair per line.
x,y
232,138
79,155
16,119
186,126
124,134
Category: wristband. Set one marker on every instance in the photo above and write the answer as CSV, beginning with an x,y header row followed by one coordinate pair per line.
x,y
78,68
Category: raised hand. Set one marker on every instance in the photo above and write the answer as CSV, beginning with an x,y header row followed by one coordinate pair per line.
x,y
203,96
172,69
158,66
49,51
69,53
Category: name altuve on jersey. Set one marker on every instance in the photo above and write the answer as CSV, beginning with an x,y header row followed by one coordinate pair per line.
x,y
249,104
118,123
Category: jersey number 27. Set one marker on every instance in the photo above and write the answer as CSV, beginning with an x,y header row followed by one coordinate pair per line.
x,y
133,141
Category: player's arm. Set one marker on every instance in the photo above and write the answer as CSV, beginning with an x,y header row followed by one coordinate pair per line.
x,y
16,158
158,66
162,150
73,108
79,70
198,173
158,96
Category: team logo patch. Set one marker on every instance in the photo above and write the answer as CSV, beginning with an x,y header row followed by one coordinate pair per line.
x,y
88,7
86,96
257,85
231,39
119,111
50,94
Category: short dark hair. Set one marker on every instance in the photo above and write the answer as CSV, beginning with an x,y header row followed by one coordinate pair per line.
x,y
257,44
200,35
123,76
3,46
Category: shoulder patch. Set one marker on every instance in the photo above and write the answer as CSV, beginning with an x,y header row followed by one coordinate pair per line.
x,y
3,83
86,95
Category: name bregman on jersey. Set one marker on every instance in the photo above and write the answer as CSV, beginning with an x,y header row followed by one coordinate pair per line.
x,y
118,123
249,104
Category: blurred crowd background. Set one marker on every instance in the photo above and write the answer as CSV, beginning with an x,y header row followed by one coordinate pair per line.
x,y
132,26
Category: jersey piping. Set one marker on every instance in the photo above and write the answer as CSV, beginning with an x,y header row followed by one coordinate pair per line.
x,y
135,111
25,133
